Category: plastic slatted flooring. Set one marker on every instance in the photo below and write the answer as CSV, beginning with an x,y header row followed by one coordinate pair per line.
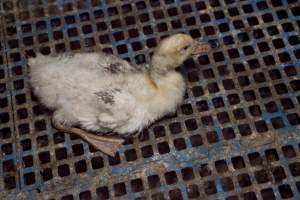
x,y
236,136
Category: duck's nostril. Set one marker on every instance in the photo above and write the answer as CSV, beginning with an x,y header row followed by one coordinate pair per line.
x,y
214,44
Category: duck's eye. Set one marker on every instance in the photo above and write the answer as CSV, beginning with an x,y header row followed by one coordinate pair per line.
x,y
185,48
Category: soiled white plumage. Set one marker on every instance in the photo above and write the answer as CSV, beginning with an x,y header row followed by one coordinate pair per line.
x,y
104,93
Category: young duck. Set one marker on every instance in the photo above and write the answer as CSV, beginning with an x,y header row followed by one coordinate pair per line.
x,y
104,94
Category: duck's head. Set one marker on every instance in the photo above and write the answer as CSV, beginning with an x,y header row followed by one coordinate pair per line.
x,y
174,50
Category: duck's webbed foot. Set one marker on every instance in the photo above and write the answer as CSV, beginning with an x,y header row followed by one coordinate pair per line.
x,y
107,144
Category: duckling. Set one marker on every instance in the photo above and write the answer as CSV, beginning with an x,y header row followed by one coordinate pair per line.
x,y
102,93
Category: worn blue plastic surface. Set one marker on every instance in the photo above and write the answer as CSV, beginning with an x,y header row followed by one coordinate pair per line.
x,y
236,136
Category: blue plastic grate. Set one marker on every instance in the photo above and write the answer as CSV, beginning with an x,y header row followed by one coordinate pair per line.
x,y
236,136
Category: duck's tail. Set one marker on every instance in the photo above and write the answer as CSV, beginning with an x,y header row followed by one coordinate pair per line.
x,y
42,80
37,61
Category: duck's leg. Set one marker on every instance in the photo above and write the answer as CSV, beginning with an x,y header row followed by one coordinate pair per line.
x,y
106,144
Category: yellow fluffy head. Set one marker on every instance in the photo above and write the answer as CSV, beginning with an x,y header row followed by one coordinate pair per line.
x,y
175,49
174,44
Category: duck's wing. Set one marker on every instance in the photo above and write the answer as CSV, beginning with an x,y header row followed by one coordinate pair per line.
x,y
116,65
115,107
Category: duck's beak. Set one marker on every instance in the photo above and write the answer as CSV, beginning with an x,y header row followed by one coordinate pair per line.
x,y
200,47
